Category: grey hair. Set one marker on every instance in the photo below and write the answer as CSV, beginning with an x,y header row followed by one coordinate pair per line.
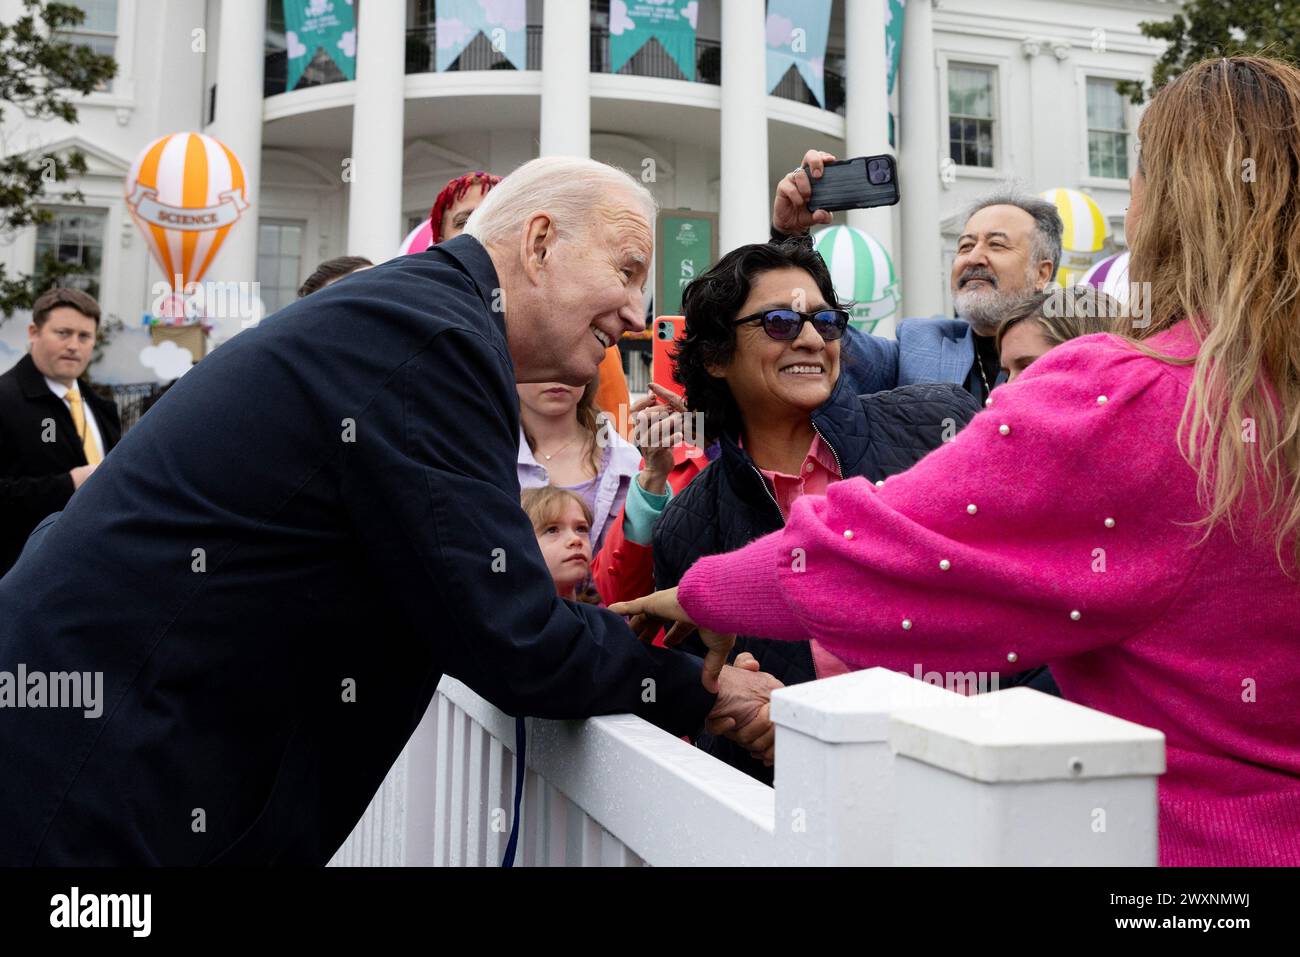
x,y
1047,222
570,188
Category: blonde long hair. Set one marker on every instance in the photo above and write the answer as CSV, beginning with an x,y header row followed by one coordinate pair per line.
x,y
1218,240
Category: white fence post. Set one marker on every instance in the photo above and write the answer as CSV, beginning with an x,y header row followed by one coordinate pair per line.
x,y
1017,777
834,769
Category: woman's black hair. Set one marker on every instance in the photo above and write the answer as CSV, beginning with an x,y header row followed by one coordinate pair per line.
x,y
712,303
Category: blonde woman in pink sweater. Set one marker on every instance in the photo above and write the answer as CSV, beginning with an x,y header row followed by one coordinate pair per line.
x,y
1126,511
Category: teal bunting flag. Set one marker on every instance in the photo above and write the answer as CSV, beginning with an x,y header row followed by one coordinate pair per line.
x,y
311,25
633,23
893,38
796,36
458,22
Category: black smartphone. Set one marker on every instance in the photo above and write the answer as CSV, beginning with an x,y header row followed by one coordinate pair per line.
x,y
861,183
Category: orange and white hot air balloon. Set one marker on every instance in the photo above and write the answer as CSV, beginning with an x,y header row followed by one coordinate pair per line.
x,y
186,191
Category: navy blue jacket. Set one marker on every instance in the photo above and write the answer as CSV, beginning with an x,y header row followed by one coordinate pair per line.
x,y
274,569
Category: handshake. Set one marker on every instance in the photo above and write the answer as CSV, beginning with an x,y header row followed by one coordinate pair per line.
x,y
743,709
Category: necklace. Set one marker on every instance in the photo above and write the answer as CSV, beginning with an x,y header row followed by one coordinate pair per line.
x,y
559,450
979,364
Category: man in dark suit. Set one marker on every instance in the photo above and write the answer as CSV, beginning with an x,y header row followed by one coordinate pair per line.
x,y
53,430
277,565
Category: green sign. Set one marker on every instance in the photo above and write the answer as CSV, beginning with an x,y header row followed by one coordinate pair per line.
x,y
311,25
686,245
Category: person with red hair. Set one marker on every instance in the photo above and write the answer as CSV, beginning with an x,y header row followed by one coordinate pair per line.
x,y
458,199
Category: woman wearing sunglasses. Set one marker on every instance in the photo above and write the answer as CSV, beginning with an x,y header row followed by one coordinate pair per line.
x,y
761,361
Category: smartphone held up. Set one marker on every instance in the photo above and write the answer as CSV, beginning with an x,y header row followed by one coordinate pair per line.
x,y
861,183
668,331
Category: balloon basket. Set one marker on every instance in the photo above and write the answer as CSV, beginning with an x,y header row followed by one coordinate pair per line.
x,y
191,337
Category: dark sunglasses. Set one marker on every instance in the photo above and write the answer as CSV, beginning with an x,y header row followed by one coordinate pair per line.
x,y
786,324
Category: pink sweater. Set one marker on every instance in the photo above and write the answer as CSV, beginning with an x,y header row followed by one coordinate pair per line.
x,y
1057,516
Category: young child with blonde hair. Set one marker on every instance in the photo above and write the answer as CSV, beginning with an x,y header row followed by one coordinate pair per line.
x,y
562,523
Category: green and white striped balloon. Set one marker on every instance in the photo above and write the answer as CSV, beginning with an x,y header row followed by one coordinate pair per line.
x,y
861,271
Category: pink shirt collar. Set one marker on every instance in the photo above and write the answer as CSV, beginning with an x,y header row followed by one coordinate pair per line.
x,y
819,470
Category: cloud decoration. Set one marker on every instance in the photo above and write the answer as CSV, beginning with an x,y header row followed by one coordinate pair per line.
x,y
619,21
167,359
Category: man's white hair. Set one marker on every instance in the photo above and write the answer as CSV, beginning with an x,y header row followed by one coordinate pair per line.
x,y
573,190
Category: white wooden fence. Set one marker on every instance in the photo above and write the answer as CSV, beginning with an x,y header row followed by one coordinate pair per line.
x,y
872,767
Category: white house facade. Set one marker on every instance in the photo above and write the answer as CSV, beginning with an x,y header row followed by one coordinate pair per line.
x,y
1020,91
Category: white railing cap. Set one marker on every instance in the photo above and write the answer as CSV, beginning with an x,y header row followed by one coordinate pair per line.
x,y
854,707
1024,735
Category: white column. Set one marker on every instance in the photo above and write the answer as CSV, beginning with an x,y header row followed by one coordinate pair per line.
x,y
835,803
744,201
375,192
238,124
1020,778
566,79
921,257
691,178
866,104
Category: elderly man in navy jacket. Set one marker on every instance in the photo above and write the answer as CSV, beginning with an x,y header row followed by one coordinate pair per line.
x,y
277,565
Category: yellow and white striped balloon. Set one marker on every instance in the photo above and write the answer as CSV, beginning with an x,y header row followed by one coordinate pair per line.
x,y
1083,239
185,191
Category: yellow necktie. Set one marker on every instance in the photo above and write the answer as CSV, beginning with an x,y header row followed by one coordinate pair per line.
x,y
88,443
